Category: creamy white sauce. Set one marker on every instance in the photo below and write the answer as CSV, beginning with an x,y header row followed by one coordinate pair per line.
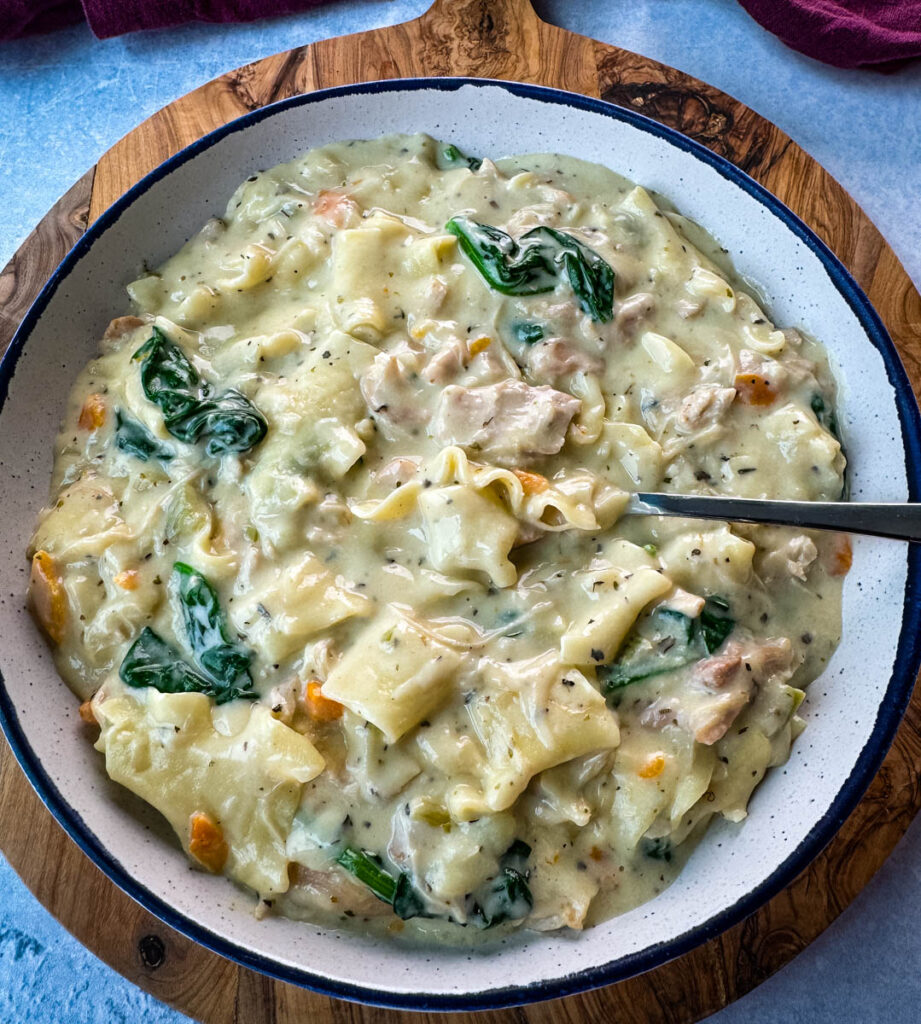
x,y
429,529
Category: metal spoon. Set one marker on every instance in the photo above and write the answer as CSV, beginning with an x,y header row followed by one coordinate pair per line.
x,y
896,520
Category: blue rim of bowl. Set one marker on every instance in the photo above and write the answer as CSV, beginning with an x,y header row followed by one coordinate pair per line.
x,y
892,707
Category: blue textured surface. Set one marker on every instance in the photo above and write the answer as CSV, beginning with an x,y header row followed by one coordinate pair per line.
x,y
67,98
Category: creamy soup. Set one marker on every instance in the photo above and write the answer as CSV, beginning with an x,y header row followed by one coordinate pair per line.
x,y
336,555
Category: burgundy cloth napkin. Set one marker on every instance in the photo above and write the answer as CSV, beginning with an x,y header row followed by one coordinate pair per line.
x,y
115,17
846,33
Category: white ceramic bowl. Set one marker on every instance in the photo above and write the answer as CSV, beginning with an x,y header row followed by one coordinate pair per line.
x,y
852,710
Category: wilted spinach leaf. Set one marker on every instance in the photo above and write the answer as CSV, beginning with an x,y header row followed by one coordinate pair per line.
x,y
205,627
657,849
825,414
527,333
535,262
665,641
399,892
508,896
715,623
367,868
450,156
135,439
229,421
508,266
151,661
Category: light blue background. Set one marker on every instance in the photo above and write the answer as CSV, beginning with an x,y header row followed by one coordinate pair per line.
x,y
66,98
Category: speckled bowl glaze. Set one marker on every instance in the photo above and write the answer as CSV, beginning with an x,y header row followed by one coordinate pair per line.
x,y
852,710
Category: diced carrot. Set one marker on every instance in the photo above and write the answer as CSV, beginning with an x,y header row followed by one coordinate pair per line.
x,y
320,708
479,345
93,413
532,483
753,389
49,598
86,713
653,768
127,579
334,207
206,842
842,555
595,853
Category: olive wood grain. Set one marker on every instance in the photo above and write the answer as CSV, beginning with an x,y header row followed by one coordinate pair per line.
x,y
496,39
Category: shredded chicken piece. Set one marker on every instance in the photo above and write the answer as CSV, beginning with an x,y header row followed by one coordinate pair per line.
x,y
505,422
480,359
337,208
538,215
122,325
715,673
447,363
633,310
720,687
283,700
396,472
703,407
711,722
768,657
790,372
792,558
328,520
433,297
332,891
392,399
554,358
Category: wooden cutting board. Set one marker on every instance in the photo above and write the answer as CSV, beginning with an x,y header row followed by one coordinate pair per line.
x,y
493,39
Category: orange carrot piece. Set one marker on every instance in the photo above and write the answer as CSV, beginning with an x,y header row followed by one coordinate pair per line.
x,y
49,598
93,413
86,713
532,483
753,389
206,842
334,207
127,579
842,556
320,708
653,768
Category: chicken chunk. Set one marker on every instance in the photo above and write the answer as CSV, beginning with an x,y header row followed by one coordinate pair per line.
x,y
554,358
504,422
633,310
332,891
710,722
448,363
396,472
121,325
703,407
392,398
792,558
717,672
790,372
720,687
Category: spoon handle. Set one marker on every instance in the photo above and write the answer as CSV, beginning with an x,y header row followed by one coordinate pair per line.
x,y
895,520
